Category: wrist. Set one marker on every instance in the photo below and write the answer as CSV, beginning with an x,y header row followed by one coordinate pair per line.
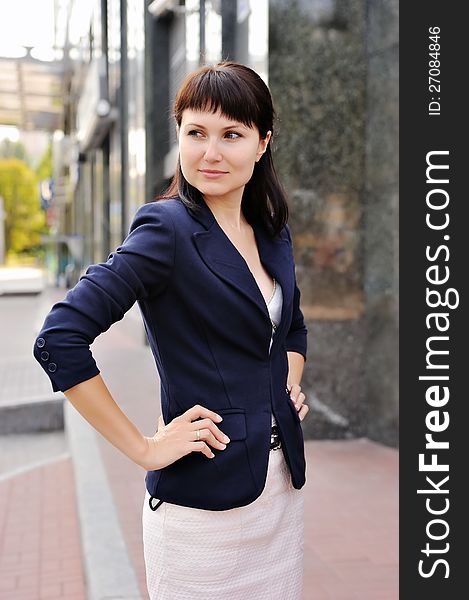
x,y
142,453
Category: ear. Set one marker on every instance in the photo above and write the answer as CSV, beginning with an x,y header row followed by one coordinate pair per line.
x,y
263,143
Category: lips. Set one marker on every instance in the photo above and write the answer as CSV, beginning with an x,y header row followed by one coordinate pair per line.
x,y
211,172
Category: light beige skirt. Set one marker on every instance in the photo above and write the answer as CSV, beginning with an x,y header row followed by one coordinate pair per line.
x,y
251,552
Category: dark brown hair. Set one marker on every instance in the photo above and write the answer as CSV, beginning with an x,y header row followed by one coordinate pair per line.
x,y
240,94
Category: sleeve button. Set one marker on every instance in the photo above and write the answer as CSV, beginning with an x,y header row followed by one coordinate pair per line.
x,y
44,355
52,367
41,342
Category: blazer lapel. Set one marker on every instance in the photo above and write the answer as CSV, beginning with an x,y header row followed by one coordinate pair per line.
x,y
223,258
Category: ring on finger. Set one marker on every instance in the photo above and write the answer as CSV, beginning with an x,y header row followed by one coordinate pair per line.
x,y
198,435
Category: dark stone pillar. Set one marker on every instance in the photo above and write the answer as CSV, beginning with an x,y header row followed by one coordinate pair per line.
x,y
228,30
381,253
330,151
156,101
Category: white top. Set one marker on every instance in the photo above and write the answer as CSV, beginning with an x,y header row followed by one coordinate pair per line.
x,y
274,306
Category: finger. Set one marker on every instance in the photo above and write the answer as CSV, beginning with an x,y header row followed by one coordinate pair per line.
x,y
295,391
202,447
300,400
209,424
200,411
303,411
209,438
161,423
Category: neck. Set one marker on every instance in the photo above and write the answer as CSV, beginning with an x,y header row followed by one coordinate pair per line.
x,y
227,212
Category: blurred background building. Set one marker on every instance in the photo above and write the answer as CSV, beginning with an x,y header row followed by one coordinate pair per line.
x,y
104,95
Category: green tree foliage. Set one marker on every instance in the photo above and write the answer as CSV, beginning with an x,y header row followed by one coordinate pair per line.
x,y
24,220
9,149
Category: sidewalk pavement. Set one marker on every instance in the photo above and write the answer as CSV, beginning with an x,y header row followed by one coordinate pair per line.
x,y
77,534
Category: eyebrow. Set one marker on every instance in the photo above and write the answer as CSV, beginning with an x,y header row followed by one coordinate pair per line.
x,y
233,125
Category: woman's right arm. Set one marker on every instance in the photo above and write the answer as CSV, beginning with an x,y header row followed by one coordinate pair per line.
x,y
94,402
140,268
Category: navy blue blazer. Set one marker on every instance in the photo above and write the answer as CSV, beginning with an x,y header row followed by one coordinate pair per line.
x,y
209,330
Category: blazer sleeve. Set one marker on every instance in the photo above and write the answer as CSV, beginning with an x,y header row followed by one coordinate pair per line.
x,y
296,339
138,269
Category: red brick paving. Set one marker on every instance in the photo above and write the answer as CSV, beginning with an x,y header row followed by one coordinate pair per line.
x,y
351,521
40,551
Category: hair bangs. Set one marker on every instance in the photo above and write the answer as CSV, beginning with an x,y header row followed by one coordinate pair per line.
x,y
216,90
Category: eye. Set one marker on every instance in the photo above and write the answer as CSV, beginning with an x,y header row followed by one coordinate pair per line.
x,y
194,133
233,135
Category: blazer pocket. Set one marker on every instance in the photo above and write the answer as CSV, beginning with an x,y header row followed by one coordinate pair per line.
x,y
213,483
233,424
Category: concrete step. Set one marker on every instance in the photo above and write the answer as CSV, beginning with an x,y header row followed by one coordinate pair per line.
x,y
33,415
27,402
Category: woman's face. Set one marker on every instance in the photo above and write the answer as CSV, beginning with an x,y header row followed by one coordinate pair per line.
x,y
218,154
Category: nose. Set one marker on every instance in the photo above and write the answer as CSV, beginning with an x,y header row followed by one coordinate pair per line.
x,y
212,151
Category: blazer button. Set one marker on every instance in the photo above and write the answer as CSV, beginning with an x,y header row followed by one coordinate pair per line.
x,y
41,342
45,355
52,367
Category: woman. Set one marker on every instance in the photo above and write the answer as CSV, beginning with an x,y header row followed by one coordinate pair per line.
x,y
211,267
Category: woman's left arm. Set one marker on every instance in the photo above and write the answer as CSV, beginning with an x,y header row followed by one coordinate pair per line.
x,y
296,363
296,347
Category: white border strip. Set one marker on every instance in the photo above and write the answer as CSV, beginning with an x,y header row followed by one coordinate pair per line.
x,y
109,572
32,466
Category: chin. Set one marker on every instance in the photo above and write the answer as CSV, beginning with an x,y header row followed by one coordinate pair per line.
x,y
212,190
